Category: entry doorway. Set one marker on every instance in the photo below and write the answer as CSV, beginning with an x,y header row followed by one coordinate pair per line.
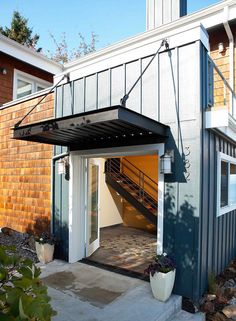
x,y
78,201
122,203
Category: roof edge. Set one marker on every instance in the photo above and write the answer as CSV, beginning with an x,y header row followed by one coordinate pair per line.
x,y
30,56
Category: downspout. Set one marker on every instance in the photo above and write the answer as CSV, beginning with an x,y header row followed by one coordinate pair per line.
x,y
231,58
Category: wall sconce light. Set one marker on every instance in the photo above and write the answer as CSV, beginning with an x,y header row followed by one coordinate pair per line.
x,y
3,71
166,162
61,166
221,47
64,167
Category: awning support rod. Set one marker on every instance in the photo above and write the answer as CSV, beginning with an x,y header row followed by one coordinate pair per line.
x,y
126,96
51,90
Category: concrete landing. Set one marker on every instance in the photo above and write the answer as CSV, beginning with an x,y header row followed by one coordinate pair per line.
x,y
185,316
86,293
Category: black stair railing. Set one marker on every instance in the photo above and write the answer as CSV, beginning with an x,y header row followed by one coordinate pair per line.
x,y
134,180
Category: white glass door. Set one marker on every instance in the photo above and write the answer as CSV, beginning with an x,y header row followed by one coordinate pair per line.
x,y
92,242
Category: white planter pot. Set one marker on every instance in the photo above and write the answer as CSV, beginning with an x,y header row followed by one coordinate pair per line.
x,y
44,252
162,285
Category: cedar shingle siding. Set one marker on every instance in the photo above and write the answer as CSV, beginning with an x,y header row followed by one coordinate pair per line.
x,y
25,169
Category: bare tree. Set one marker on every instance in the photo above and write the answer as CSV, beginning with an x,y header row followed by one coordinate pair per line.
x,y
64,54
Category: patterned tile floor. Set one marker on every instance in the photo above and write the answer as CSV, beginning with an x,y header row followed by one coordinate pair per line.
x,y
125,247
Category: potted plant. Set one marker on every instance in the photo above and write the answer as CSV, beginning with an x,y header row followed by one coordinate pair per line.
x,y
162,276
44,245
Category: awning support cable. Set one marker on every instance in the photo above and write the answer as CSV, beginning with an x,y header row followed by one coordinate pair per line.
x,y
39,102
126,96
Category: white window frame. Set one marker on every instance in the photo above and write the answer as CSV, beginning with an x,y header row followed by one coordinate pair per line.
x,y
230,160
35,81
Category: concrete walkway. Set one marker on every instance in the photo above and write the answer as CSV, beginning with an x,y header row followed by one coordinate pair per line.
x,y
81,292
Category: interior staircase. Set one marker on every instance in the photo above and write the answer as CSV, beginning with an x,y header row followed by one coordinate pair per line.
x,y
134,186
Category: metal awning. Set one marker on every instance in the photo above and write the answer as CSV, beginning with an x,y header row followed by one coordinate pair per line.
x,y
107,127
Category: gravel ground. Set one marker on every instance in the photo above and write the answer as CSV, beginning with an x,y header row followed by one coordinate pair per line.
x,y
24,244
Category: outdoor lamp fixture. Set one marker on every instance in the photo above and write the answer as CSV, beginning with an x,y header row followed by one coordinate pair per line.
x,y
221,48
166,161
61,167
64,167
3,71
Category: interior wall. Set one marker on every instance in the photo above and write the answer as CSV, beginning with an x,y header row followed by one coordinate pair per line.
x,y
111,206
132,217
148,164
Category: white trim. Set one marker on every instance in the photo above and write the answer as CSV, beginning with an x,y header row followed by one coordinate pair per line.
x,y
76,221
77,183
91,248
230,160
30,56
35,81
26,98
131,49
217,117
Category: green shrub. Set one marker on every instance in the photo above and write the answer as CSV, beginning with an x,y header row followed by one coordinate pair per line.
x,y
22,294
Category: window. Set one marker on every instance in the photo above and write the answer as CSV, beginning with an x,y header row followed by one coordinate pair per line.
x,y
23,88
226,183
25,84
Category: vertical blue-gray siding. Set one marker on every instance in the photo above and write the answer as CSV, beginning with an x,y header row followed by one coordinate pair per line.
x,y
60,209
217,237
217,234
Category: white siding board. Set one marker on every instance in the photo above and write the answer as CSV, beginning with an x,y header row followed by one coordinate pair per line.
x,y
79,96
104,89
117,85
59,101
133,70
188,82
150,89
90,93
168,87
166,11
67,100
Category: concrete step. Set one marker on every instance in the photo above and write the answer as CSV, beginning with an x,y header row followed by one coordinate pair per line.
x,y
139,305
185,316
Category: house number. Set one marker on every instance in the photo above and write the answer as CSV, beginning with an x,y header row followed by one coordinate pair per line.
x,y
187,164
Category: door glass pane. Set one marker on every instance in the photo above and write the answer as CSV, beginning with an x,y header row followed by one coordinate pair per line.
x,y
224,184
93,203
232,186
23,88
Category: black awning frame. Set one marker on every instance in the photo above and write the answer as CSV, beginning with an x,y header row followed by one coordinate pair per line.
x,y
106,127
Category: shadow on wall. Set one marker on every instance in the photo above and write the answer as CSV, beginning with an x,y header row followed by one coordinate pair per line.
x,y
41,225
60,230
180,225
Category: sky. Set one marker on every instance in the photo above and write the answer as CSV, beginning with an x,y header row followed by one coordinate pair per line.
x,y
111,20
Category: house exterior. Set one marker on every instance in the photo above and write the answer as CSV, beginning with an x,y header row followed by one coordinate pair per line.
x,y
182,108
25,175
